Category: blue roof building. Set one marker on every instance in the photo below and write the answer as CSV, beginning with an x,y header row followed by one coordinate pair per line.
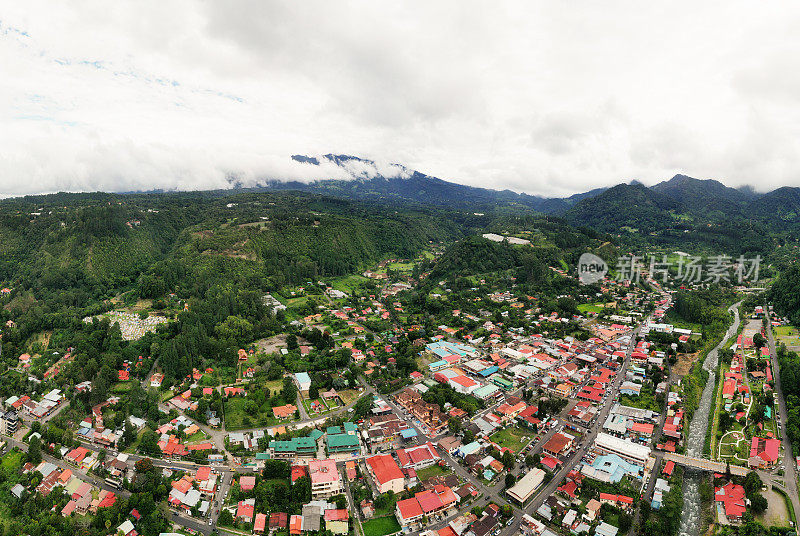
x,y
488,371
408,433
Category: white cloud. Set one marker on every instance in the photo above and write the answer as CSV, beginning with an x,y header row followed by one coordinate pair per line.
x,y
534,96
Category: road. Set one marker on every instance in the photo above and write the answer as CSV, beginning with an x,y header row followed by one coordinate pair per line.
x,y
790,467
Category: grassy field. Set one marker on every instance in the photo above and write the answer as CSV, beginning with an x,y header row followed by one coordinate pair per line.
x,y
788,335
513,438
122,387
196,437
237,417
348,284
589,308
430,472
380,526
12,462
645,400
400,266
349,395
274,386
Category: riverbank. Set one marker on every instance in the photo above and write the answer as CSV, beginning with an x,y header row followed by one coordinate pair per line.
x,y
692,517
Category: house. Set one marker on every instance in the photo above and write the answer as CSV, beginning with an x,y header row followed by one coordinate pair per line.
x,y
245,510
247,483
260,523
733,501
524,488
296,525
418,457
9,423
408,511
284,412
325,479
558,444
620,501
627,450
764,451
367,509
386,473
303,381
278,520
592,509
126,528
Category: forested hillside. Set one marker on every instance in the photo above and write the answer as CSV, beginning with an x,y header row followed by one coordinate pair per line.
x,y
68,256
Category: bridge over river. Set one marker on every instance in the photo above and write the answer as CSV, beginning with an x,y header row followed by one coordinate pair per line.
x,y
704,465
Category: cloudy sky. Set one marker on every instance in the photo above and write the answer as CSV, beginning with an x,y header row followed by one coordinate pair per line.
x,y
549,98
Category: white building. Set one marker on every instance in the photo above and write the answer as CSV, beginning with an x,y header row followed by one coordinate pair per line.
x,y
625,449
523,490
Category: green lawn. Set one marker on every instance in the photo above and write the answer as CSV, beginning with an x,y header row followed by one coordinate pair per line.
x,y
380,526
122,387
196,437
400,266
589,308
430,472
12,462
787,335
296,302
513,438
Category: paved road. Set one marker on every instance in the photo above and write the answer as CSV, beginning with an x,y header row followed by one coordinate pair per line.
x,y
790,467
588,439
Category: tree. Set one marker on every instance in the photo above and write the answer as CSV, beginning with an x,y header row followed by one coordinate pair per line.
x,y
225,517
510,480
758,503
313,391
340,500
363,406
752,484
759,341
508,460
454,425
149,443
35,450
145,465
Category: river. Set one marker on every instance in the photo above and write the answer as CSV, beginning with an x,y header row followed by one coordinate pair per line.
x,y
690,520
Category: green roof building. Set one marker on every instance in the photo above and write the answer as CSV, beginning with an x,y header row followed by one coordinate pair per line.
x,y
503,383
339,443
297,446
350,428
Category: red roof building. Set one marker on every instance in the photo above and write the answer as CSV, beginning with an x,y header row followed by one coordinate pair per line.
x,y
408,511
260,523
768,449
386,473
732,497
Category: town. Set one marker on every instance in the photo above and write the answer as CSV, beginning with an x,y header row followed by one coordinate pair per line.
x,y
508,419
